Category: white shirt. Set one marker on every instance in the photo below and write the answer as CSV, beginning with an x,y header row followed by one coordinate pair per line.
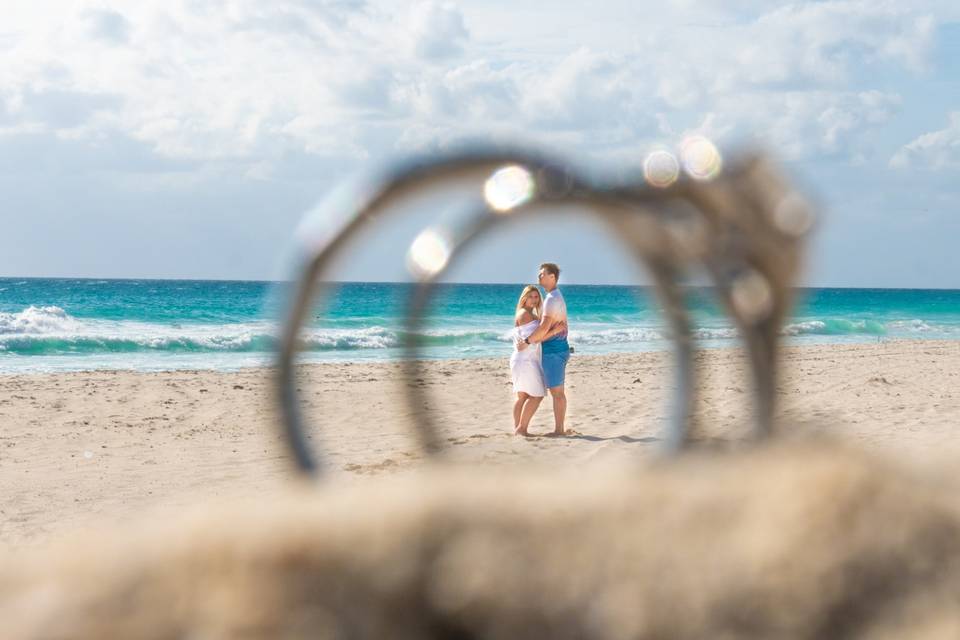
x,y
555,307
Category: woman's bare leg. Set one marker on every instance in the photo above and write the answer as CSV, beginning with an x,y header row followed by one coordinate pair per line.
x,y
518,409
526,415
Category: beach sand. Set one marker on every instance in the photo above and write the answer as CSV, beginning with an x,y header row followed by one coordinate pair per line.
x,y
81,450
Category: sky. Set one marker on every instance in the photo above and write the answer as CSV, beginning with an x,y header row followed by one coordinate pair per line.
x,y
186,139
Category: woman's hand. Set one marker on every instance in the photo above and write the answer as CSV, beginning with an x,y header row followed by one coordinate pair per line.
x,y
560,327
520,344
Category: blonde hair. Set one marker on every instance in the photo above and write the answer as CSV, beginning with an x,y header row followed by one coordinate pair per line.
x,y
527,290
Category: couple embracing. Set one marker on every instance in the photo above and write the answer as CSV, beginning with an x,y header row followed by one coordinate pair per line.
x,y
541,351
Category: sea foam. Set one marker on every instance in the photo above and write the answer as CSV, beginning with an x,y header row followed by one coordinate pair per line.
x,y
37,320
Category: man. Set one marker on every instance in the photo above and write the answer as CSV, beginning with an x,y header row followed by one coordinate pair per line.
x,y
555,350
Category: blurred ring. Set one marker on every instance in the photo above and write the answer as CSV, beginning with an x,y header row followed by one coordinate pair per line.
x,y
752,260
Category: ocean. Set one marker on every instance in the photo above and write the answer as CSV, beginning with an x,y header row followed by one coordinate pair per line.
x,y
150,325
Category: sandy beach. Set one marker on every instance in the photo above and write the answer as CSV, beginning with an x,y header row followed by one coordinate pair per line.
x,y
78,450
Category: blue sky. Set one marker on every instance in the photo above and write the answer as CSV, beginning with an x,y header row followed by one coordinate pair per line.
x,y
186,139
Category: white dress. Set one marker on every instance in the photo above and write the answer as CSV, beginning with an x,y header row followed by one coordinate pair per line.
x,y
525,365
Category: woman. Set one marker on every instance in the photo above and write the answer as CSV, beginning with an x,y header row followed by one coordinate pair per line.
x,y
525,365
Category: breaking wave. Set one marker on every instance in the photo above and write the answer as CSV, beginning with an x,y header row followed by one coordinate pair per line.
x,y
49,330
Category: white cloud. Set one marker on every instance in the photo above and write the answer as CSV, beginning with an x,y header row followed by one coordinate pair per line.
x,y
109,26
937,149
247,81
436,31
826,41
583,90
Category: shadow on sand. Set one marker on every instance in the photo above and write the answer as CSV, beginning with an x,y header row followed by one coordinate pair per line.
x,y
631,439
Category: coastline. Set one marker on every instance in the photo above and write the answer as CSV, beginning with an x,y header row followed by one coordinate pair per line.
x,y
83,448
60,325
227,363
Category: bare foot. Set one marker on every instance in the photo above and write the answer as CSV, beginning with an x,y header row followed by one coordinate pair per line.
x,y
521,431
557,434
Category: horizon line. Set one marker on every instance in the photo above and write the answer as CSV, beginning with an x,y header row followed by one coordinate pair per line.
x,y
573,284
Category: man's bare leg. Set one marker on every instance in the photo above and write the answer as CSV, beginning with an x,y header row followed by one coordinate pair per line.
x,y
559,409
530,408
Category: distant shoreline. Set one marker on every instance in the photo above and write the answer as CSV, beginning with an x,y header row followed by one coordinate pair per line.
x,y
269,368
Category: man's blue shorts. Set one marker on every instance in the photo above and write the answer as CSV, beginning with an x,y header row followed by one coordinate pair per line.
x,y
554,355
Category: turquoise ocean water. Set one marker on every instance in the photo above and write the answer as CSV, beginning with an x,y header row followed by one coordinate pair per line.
x,y
67,324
